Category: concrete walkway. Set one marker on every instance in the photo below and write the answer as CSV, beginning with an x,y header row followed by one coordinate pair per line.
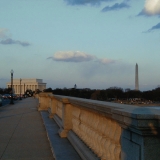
x,y
22,132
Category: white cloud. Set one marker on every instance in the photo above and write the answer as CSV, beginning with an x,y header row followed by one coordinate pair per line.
x,y
72,56
3,32
77,56
152,7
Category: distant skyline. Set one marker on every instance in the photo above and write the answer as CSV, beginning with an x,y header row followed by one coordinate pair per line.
x,y
93,44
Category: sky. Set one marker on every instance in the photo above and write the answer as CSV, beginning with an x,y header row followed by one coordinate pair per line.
x,y
91,43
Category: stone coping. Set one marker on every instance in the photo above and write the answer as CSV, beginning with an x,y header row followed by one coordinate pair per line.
x,y
132,111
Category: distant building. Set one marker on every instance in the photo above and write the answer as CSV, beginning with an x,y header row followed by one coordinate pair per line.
x,y
31,84
136,78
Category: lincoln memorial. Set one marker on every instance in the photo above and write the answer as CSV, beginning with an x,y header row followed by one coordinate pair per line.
x,y
31,84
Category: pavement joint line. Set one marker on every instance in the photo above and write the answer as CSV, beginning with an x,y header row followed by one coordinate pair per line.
x,y
11,136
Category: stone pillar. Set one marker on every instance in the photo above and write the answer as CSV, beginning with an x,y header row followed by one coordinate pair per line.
x,y
53,107
43,105
44,101
140,139
66,118
139,147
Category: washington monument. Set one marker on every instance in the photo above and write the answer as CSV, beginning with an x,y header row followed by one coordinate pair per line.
x,y
136,78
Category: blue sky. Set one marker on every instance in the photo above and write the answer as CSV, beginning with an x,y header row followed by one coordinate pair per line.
x,y
91,43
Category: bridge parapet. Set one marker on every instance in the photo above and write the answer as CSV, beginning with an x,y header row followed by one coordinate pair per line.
x,y
112,131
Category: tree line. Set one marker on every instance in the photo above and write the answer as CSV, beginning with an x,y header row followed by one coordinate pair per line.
x,y
112,93
109,94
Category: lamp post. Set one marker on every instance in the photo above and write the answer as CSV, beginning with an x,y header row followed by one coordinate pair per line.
x,y
11,102
24,90
20,89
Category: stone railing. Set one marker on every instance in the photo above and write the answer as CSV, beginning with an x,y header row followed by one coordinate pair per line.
x,y
111,131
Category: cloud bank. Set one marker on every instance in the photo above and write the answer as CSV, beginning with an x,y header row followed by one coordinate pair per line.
x,y
11,41
77,56
5,40
152,7
156,27
116,6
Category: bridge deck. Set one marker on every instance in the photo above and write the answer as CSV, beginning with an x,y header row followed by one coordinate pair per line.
x,y
22,133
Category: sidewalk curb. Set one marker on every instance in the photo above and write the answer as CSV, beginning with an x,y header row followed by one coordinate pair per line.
x,y
61,147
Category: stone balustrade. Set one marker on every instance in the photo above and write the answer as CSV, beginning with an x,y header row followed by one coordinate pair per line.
x,y
104,130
